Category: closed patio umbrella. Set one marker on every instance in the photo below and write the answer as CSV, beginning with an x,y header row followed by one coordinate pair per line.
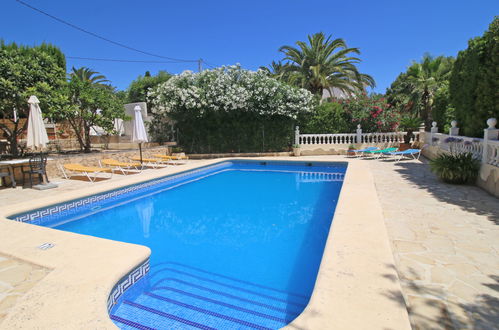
x,y
37,138
37,135
139,134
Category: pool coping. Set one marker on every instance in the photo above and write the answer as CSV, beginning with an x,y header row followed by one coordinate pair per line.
x,y
357,286
345,295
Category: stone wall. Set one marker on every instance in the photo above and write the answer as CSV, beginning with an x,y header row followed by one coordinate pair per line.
x,y
488,179
92,159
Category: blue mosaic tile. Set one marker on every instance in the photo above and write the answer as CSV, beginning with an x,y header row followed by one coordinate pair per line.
x,y
126,282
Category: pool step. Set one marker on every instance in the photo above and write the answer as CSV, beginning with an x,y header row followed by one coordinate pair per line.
x,y
183,297
225,283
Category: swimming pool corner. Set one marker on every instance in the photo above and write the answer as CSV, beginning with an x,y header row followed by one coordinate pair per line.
x,y
55,302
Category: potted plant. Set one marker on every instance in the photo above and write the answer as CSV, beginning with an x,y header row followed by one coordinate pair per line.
x,y
350,151
409,125
296,150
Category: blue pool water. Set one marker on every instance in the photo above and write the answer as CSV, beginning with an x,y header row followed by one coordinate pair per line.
x,y
234,248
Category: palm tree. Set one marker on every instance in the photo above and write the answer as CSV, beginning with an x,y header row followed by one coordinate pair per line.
x,y
86,74
277,70
323,63
415,89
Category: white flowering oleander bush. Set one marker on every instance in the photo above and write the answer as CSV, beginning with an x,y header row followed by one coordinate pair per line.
x,y
229,109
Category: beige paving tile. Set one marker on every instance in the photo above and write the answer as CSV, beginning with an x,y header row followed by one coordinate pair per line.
x,y
458,228
428,313
411,270
16,278
440,274
421,259
408,246
15,275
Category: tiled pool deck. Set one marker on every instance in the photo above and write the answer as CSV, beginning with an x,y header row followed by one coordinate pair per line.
x,y
16,278
444,240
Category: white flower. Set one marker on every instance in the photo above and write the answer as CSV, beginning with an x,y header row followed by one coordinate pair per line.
x,y
229,88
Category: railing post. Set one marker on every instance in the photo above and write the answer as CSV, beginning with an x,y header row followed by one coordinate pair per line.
x,y
433,130
422,131
490,133
454,130
297,135
359,134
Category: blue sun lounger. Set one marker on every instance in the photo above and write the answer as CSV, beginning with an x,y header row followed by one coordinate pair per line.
x,y
360,152
408,152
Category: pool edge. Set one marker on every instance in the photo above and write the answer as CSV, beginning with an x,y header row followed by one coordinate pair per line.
x,y
318,312
357,286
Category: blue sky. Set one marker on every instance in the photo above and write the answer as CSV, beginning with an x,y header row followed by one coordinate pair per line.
x,y
390,34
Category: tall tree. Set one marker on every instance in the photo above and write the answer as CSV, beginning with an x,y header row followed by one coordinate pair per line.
x,y
138,89
415,90
277,70
324,63
86,74
25,71
474,82
91,103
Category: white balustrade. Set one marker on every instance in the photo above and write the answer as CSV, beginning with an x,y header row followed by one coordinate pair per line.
x,y
458,144
468,144
306,139
416,137
486,149
493,153
347,138
438,139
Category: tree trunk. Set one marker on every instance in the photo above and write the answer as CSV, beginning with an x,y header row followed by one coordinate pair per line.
x,y
426,113
12,136
88,144
13,145
77,130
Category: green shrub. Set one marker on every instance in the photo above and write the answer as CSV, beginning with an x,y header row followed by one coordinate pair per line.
x,y
327,117
228,109
455,168
343,115
410,123
473,84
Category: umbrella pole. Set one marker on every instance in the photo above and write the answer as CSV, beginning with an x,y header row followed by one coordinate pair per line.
x,y
44,181
140,151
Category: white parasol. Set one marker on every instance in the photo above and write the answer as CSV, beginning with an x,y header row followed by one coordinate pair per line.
x,y
37,135
139,133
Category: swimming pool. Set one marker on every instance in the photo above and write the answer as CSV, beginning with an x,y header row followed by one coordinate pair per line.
x,y
236,245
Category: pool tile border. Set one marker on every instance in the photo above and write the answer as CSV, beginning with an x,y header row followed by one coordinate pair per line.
x,y
66,206
126,283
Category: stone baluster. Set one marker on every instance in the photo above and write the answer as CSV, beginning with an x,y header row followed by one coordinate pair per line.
x,y
297,135
490,133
